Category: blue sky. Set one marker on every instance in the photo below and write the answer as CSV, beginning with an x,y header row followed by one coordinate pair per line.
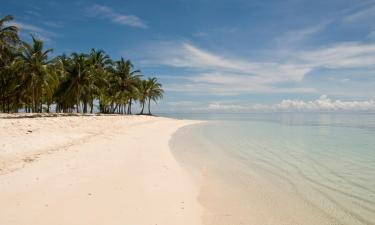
x,y
216,55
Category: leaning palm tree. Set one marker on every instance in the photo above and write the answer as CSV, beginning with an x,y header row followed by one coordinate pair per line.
x,y
8,38
38,77
8,32
155,91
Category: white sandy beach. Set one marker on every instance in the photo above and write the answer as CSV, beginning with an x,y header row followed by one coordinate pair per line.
x,y
93,170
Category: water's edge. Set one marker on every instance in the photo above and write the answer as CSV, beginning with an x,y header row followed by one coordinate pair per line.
x,y
264,188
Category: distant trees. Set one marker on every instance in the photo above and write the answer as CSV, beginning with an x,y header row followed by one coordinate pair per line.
x,y
32,81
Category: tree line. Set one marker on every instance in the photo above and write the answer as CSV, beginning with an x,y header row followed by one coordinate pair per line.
x,y
31,81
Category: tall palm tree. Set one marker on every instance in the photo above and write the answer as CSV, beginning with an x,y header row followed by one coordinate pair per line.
x,y
155,91
9,41
98,63
63,103
76,82
126,82
143,87
29,79
38,77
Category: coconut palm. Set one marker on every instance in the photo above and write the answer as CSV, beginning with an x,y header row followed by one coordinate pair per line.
x,y
8,39
143,87
38,77
8,50
126,80
76,82
155,91
29,79
8,33
63,103
98,63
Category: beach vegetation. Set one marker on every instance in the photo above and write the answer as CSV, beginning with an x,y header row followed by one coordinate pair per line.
x,y
32,81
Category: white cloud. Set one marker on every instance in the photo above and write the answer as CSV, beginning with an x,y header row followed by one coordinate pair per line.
x,y
186,55
293,36
344,55
323,104
37,31
220,75
364,14
108,13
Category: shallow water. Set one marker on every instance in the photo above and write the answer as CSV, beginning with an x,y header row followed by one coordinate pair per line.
x,y
282,169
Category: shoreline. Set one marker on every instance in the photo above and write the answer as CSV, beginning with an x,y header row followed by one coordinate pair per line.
x,y
94,170
245,178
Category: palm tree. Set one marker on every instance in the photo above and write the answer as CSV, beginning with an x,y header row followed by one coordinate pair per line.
x,y
38,76
126,80
8,38
155,91
98,63
29,79
76,82
8,50
63,103
143,87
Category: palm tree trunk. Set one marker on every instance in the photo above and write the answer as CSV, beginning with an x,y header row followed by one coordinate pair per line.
x,y
114,110
149,103
3,104
91,106
143,106
8,106
84,106
33,100
78,106
130,106
111,107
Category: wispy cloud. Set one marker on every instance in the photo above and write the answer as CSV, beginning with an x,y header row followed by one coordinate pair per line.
x,y
220,75
187,55
118,18
343,55
371,35
292,36
33,13
53,24
37,31
364,14
200,34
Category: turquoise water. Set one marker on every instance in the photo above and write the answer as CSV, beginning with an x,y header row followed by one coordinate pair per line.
x,y
282,168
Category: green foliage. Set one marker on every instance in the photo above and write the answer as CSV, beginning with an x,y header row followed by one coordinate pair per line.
x,y
31,81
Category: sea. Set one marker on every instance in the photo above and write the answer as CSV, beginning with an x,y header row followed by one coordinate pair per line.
x,y
281,168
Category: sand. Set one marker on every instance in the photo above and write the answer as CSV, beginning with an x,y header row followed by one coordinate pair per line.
x,y
93,170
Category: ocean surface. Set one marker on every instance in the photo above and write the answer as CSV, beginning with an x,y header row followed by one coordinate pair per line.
x,y
281,168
